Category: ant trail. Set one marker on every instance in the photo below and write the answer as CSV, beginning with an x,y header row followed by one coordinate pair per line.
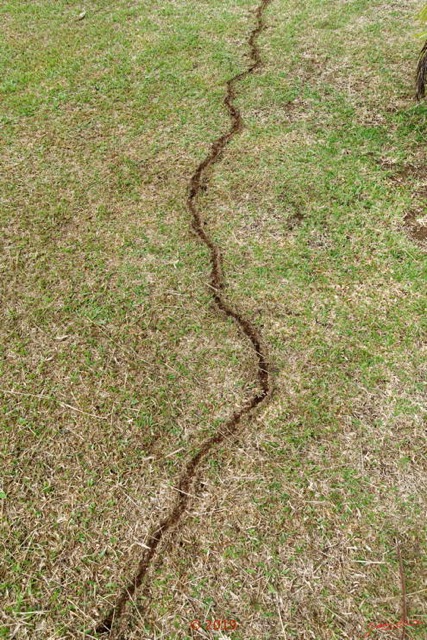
x,y
217,286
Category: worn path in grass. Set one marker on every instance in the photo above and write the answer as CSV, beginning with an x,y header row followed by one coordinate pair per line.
x,y
198,181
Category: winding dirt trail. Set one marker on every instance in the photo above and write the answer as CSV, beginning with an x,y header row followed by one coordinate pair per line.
x,y
217,285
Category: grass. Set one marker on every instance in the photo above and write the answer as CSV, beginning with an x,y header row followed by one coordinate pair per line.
x,y
115,365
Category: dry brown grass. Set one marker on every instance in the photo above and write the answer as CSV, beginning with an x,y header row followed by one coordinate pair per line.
x,y
116,366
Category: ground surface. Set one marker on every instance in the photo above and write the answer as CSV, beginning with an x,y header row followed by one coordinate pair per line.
x,y
116,365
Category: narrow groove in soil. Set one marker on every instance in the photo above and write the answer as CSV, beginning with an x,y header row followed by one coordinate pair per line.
x,y
217,285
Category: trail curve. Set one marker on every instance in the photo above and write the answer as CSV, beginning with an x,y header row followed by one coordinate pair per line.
x,y
217,287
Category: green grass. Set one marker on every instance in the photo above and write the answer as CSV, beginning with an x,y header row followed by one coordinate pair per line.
x,y
115,364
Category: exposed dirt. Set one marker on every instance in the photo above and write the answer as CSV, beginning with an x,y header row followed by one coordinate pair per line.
x,y
416,230
198,184
415,227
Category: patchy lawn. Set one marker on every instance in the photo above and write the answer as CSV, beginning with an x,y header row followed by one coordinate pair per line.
x,y
115,364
